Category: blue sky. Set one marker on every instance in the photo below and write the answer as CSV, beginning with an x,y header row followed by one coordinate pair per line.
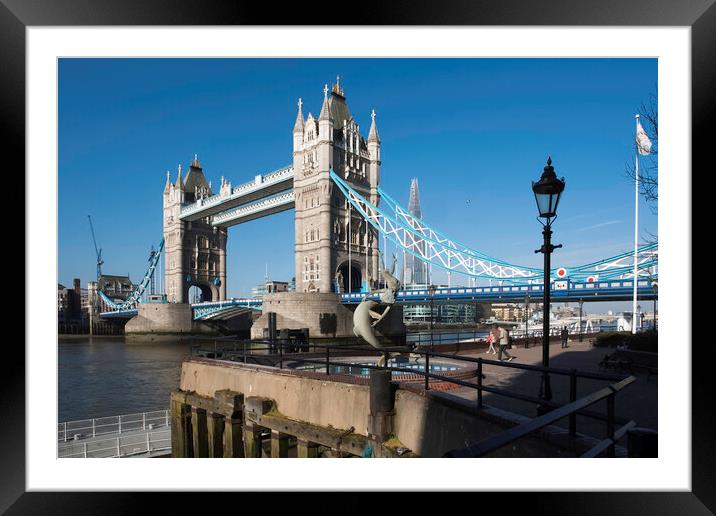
x,y
476,130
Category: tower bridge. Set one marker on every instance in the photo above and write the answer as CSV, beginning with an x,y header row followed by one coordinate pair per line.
x,y
340,215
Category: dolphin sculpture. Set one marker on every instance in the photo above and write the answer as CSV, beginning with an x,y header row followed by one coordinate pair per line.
x,y
365,317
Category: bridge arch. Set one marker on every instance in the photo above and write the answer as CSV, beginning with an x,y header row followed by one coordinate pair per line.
x,y
207,292
349,276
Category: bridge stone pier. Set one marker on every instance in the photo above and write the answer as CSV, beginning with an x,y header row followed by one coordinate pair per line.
x,y
324,316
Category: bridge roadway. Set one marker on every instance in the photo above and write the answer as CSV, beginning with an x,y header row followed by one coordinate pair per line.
x,y
612,290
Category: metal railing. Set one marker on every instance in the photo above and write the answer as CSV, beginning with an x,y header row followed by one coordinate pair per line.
x,y
569,410
89,428
272,353
150,442
461,336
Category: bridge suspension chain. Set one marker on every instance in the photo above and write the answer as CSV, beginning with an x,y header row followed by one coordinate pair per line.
x,y
136,294
422,241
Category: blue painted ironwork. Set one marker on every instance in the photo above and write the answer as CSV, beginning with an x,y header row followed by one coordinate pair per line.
x,y
414,236
215,309
564,290
136,294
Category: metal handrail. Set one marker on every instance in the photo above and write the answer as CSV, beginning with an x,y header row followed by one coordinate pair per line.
x,y
87,428
119,446
511,435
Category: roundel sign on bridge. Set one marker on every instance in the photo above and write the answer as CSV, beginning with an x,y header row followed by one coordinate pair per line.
x,y
561,273
591,279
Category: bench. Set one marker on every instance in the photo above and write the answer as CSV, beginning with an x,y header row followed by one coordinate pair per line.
x,y
629,360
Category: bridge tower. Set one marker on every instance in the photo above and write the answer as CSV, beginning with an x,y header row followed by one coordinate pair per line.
x,y
194,252
325,225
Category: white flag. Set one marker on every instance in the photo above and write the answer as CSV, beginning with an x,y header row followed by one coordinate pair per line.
x,y
643,143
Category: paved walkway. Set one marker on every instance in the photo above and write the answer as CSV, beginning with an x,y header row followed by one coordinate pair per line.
x,y
130,443
638,401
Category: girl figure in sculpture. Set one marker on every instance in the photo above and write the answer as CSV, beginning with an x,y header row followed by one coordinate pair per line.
x,y
366,317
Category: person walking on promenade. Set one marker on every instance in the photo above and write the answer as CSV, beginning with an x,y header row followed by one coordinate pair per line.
x,y
491,341
504,337
565,335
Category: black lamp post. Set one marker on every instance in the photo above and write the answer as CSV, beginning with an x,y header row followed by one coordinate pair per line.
x,y
547,193
431,290
581,305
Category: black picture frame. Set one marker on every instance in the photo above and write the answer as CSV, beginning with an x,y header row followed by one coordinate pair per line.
x,y
700,15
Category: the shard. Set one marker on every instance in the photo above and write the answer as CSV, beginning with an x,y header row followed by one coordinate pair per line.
x,y
415,270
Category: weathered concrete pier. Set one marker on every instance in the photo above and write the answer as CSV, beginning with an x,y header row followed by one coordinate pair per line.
x,y
233,409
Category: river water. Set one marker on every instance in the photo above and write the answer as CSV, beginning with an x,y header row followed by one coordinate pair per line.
x,y
109,376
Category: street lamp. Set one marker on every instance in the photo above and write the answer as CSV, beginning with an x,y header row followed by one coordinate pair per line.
x,y
431,291
547,193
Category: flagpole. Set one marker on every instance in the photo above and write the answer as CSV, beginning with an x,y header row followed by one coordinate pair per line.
x,y
636,227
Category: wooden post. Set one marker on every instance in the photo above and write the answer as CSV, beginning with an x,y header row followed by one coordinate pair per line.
x,y
215,428
279,445
231,405
233,438
199,434
252,440
307,449
182,445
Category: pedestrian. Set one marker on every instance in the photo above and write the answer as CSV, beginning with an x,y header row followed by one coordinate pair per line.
x,y
504,337
565,335
491,341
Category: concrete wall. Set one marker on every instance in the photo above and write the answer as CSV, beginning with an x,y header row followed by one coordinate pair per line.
x,y
323,315
337,404
164,318
428,425
431,427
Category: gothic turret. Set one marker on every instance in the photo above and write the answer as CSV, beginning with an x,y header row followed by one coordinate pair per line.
x,y
373,133
374,153
325,121
195,183
298,128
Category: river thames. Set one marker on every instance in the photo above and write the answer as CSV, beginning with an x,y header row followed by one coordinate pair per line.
x,y
109,376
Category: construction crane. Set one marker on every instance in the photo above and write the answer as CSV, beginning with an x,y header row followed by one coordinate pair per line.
x,y
98,252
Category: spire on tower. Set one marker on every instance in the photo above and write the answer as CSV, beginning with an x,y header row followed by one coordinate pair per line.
x,y
298,126
337,87
373,134
178,184
168,183
325,111
195,162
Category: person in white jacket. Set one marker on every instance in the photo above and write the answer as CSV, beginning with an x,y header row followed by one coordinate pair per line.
x,y
504,341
